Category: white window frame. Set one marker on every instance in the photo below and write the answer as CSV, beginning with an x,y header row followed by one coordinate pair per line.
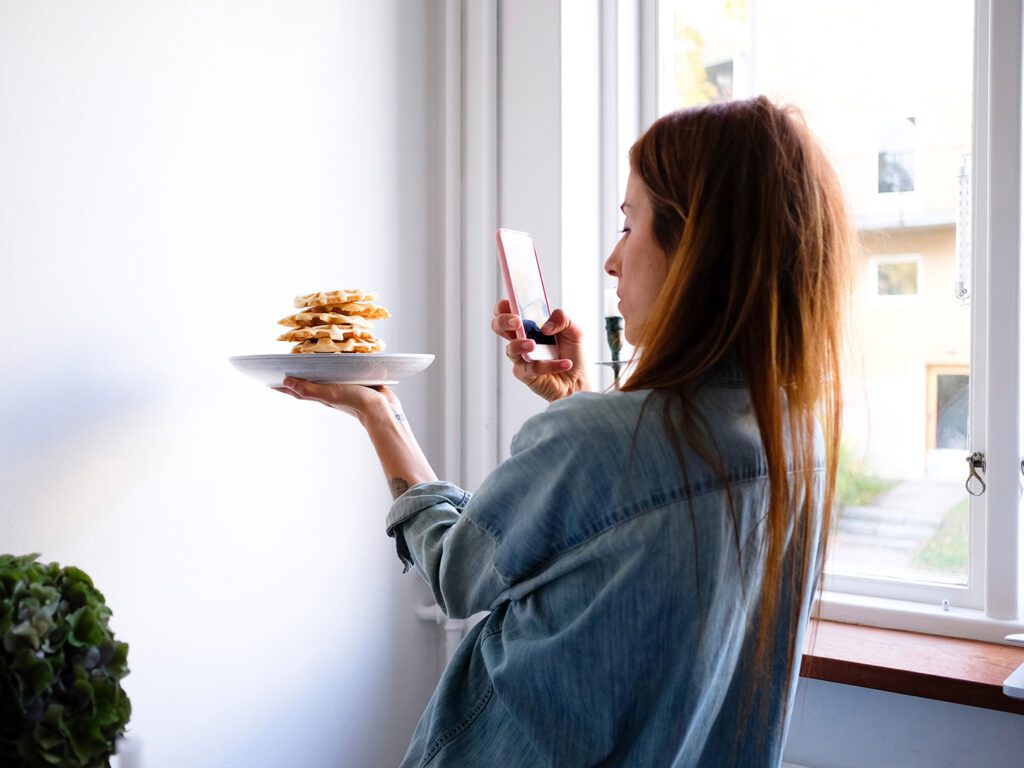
x,y
990,606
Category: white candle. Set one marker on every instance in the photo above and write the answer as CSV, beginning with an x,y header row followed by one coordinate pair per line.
x,y
611,303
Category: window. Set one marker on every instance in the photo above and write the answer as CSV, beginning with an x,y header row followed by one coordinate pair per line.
x,y
948,390
894,277
901,131
897,150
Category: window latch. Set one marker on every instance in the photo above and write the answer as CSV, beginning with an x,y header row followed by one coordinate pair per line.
x,y
975,462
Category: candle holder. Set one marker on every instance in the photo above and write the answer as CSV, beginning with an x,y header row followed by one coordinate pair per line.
x,y
613,329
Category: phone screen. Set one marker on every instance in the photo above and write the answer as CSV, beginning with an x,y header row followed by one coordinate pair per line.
x,y
527,285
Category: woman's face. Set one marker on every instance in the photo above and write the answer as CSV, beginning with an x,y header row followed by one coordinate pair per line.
x,y
637,260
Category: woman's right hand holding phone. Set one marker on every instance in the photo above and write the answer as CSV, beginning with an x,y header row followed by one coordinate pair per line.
x,y
551,379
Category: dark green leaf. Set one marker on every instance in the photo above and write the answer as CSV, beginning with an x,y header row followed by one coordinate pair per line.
x,y
32,675
85,627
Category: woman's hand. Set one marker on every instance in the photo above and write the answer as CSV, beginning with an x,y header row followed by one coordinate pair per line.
x,y
354,399
380,412
551,379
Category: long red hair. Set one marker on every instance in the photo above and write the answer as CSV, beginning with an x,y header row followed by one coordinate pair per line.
x,y
753,220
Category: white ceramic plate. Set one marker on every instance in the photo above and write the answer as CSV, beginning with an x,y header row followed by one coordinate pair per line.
x,y
370,369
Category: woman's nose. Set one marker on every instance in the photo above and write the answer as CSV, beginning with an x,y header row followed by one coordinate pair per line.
x,y
611,264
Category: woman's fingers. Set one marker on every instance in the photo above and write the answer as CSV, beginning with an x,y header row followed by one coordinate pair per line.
x,y
505,324
287,391
519,347
303,390
300,387
524,369
345,397
551,379
536,369
545,367
559,323
353,399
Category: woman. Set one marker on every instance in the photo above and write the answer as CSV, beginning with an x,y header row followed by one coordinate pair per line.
x,y
648,555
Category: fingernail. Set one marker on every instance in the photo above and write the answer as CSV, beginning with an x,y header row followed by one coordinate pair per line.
x,y
512,322
547,328
565,364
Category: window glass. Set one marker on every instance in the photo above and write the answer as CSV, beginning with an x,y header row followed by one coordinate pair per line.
x,y
886,87
897,155
951,411
895,276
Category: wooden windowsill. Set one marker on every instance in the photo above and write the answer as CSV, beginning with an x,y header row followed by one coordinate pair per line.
x,y
948,669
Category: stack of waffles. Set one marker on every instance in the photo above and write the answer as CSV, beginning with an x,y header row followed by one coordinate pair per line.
x,y
334,321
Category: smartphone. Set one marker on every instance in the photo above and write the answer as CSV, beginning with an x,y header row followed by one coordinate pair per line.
x,y
526,295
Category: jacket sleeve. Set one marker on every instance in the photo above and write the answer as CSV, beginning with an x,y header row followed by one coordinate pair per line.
x,y
452,554
470,549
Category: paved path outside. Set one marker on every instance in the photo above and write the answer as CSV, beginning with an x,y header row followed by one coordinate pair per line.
x,y
884,537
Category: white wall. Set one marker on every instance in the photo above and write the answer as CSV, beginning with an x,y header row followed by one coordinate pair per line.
x,y
171,174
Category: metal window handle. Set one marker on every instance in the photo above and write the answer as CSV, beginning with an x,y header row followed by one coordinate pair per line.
x,y
976,461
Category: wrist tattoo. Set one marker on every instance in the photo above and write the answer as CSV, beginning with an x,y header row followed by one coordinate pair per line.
x,y
401,421
398,486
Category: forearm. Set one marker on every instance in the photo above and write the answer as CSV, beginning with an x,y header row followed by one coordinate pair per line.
x,y
399,454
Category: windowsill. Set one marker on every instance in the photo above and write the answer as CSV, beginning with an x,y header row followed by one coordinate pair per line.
x,y
967,672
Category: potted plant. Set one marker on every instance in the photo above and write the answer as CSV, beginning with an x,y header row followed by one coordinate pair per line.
x,y
61,702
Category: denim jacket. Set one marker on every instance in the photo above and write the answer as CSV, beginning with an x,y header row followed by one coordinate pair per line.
x,y
622,618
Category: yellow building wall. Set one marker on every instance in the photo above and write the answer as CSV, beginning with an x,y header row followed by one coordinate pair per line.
x,y
893,341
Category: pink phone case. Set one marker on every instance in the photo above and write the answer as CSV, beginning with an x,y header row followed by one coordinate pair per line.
x,y
540,351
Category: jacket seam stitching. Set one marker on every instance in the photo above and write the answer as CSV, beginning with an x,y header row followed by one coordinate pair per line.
x,y
641,510
453,732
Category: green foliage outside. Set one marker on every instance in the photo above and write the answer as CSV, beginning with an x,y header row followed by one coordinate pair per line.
x,y
855,485
61,702
946,551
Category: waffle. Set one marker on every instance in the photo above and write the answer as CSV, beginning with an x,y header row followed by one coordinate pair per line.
x,y
334,322
307,319
318,346
354,313
325,298
333,332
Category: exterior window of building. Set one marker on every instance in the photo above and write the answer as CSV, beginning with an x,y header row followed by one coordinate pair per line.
x,y
895,277
896,155
948,391
720,77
